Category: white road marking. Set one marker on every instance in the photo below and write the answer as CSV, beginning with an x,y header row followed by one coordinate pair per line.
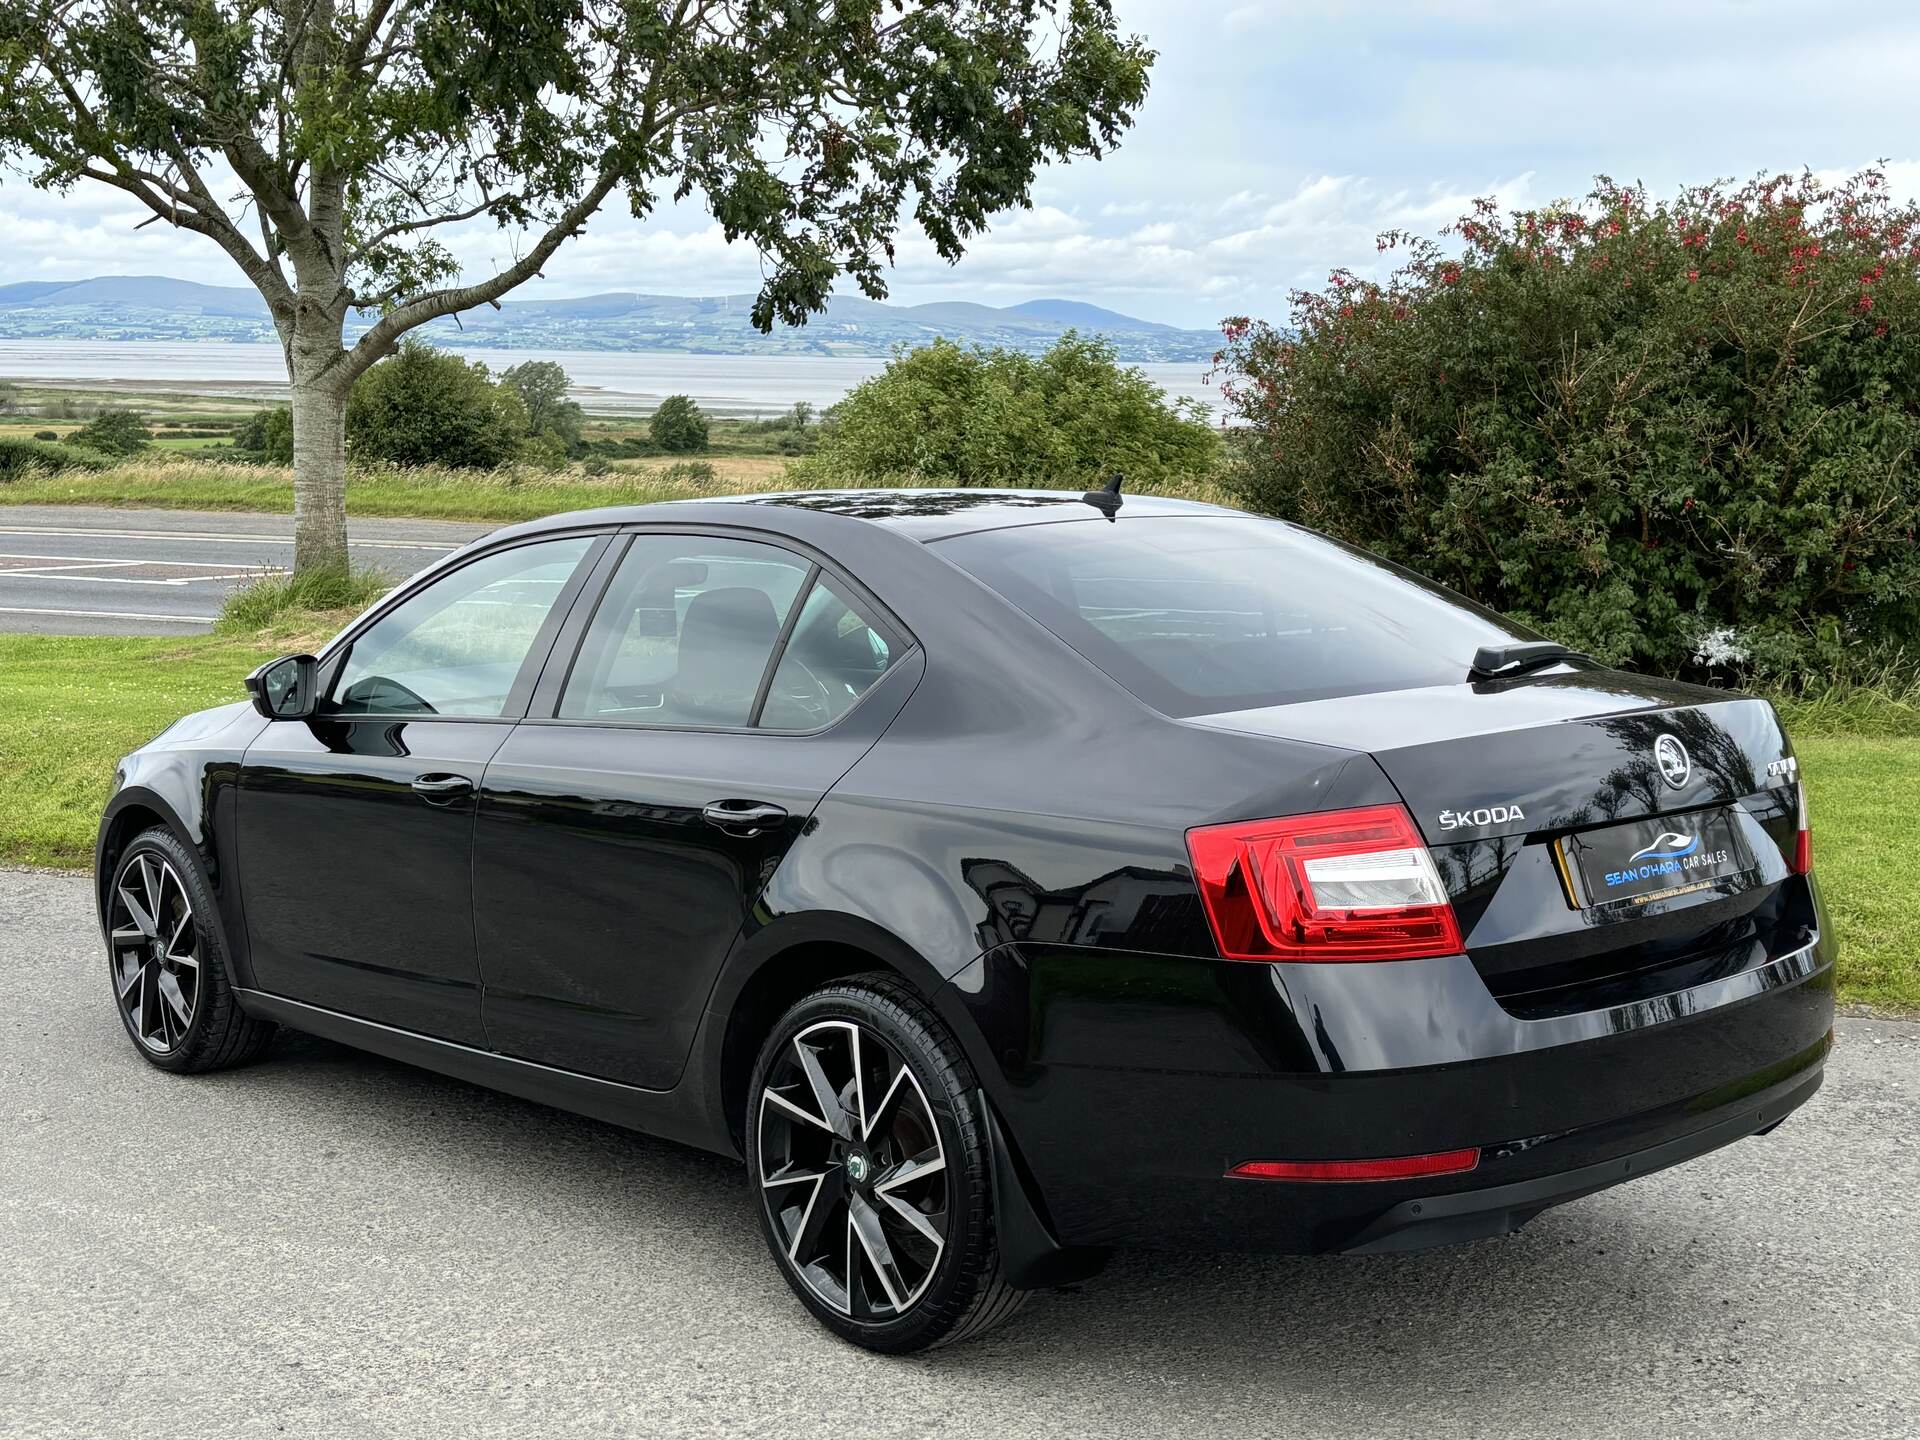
x,y
173,580
67,567
107,615
207,538
61,561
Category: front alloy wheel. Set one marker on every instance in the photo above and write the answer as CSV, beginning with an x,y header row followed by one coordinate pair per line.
x,y
156,952
167,961
867,1143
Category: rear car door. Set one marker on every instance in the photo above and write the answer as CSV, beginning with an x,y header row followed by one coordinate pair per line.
x,y
356,826
676,749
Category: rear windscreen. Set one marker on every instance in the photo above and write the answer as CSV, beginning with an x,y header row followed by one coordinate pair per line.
x,y
1201,614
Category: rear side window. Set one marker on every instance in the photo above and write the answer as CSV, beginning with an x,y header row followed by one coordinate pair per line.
x,y
832,658
1201,614
685,633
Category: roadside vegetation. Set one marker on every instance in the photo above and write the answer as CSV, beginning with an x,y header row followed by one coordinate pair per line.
x,y
1680,435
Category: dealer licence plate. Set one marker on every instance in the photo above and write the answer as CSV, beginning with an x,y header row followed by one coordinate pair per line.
x,y
1648,859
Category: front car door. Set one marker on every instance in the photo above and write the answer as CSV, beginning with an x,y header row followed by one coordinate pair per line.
x,y
356,827
721,687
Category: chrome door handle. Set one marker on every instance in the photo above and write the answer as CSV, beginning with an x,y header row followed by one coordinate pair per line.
x,y
742,817
439,789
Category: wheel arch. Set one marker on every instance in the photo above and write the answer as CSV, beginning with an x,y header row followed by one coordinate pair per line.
x,y
778,965
133,810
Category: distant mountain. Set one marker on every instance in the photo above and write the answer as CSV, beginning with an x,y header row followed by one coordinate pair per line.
x,y
154,307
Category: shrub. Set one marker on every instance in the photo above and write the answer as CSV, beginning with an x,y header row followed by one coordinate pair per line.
x,y
688,472
678,427
1680,435
113,432
951,416
46,434
20,457
267,436
423,407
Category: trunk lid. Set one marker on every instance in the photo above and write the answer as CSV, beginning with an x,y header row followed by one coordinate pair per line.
x,y
1539,797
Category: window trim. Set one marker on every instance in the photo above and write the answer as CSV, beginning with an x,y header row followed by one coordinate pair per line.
x,y
544,708
520,694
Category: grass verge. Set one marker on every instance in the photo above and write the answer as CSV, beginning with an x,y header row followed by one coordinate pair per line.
x,y
182,482
160,482
69,707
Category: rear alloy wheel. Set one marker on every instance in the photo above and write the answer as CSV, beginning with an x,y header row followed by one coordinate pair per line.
x,y
167,961
868,1150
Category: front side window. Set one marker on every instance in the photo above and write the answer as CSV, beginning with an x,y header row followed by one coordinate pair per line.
x,y
685,633
456,646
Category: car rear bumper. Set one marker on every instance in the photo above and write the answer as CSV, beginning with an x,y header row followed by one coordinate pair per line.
x,y
1130,1084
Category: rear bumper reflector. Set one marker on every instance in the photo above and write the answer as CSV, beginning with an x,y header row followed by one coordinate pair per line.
x,y
1403,1167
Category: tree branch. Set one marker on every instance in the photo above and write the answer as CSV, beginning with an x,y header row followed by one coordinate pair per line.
x,y
381,338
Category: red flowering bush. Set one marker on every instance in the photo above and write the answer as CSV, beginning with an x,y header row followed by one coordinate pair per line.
x,y
1680,435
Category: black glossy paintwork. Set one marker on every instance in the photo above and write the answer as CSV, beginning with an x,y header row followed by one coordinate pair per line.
x,y
1002,826
358,891
605,903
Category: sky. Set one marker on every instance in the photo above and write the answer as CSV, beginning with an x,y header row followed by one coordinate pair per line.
x,y
1280,137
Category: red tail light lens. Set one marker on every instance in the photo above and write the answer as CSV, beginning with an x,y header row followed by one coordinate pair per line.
x,y
1803,839
1339,885
1403,1167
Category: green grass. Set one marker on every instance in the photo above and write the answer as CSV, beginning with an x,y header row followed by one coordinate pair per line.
x,y
1863,793
283,599
70,707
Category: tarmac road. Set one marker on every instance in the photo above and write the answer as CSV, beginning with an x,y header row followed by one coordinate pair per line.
x,y
327,1244
81,570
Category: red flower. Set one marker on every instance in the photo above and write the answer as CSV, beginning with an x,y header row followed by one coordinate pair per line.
x,y
1692,275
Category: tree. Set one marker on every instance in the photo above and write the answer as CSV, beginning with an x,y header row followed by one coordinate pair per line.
x,y
1675,434
542,388
678,426
9,396
113,432
946,415
268,436
424,407
356,129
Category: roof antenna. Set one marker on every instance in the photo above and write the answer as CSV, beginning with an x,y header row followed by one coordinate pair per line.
x,y
1107,498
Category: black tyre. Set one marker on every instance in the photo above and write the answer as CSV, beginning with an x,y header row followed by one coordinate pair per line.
x,y
167,962
867,1147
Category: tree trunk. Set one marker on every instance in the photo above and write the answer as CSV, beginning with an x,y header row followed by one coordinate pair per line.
x,y
319,463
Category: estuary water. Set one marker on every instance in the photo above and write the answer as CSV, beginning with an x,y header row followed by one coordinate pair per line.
x,y
603,380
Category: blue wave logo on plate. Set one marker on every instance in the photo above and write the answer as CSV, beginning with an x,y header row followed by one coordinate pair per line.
x,y
1669,846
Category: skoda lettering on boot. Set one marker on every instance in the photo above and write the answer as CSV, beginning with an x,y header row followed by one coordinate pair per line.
x,y
1486,815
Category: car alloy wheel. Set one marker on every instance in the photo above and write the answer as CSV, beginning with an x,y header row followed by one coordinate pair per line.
x,y
853,1172
156,951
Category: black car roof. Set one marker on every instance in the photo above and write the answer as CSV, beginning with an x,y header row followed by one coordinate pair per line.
x,y
922,514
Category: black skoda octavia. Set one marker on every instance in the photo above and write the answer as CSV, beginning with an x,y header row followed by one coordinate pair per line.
x,y
1005,876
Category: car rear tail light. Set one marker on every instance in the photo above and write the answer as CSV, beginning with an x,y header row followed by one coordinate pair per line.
x,y
1339,885
1404,1167
1803,838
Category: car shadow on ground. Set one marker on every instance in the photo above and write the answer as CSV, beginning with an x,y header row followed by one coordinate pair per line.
x,y
1643,1270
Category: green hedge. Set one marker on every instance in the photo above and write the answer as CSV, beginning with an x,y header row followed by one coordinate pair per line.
x,y
1679,435
18,457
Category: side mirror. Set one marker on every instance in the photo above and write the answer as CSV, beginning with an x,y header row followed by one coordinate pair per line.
x,y
286,689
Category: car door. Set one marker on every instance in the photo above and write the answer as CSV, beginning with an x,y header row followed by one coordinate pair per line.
x,y
356,826
722,685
